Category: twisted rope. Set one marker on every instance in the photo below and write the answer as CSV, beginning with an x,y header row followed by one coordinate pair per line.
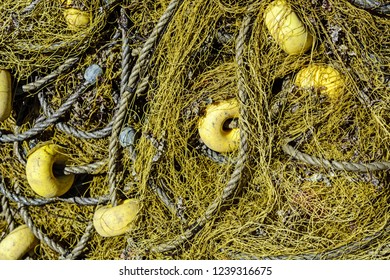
x,y
28,9
9,218
372,5
337,165
91,168
43,81
165,199
38,233
27,201
97,134
41,126
81,245
128,94
240,165
213,155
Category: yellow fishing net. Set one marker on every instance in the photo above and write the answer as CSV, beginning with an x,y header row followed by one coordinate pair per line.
x,y
282,207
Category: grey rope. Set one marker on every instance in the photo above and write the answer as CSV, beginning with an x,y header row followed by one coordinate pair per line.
x,y
336,165
43,81
337,252
41,126
165,199
91,168
353,246
97,134
215,156
129,94
27,201
240,165
17,152
126,52
38,233
81,245
9,218
28,9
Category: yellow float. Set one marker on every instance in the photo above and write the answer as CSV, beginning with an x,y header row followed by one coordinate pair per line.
x,y
211,126
113,221
39,171
325,78
18,243
5,94
286,28
76,19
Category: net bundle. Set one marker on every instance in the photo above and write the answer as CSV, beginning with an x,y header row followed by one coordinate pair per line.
x,y
309,177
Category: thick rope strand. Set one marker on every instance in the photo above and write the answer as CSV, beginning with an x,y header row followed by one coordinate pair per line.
x,y
81,245
9,218
240,165
334,164
37,232
41,126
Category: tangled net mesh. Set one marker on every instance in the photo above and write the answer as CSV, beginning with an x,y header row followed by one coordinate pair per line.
x,y
282,208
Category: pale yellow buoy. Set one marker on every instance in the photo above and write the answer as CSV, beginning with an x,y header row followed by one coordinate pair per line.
x,y
211,126
286,28
17,243
325,78
113,221
39,171
5,94
76,19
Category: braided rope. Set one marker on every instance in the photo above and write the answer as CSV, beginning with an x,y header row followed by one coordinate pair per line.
x,y
43,81
97,134
165,199
337,165
129,94
81,245
372,5
28,9
27,201
23,211
39,234
91,168
126,52
21,157
9,218
41,126
213,155
240,165
52,48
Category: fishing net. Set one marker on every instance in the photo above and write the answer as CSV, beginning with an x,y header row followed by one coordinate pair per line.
x,y
310,177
